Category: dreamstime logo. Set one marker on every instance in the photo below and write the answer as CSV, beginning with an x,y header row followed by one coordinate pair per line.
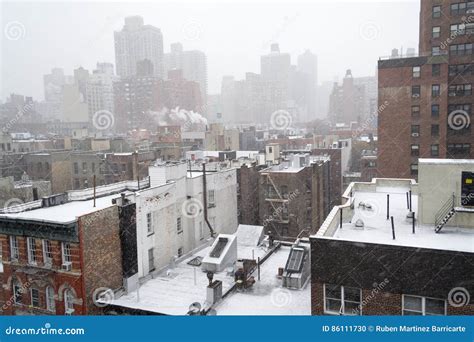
x,y
14,30
281,297
21,111
459,119
369,208
191,208
376,289
12,206
192,30
103,296
103,119
280,119
458,297
369,30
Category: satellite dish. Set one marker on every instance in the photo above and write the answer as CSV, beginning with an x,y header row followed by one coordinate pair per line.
x,y
195,308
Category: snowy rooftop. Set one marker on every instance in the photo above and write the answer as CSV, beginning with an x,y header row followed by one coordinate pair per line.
x,y
377,229
172,291
63,213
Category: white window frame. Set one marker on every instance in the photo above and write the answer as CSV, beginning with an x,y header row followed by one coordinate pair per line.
x,y
66,257
14,249
37,297
149,223
68,302
342,308
50,301
32,257
47,252
17,288
423,305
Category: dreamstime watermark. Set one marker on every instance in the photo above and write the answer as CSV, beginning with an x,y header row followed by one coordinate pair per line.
x,y
278,211
369,30
22,290
21,111
459,119
377,288
458,297
280,119
458,32
103,119
13,205
369,208
103,296
192,30
370,120
14,30
281,297
46,330
191,208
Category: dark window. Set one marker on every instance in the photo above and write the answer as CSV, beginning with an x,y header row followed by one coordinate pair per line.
x,y
460,90
434,130
435,111
435,31
415,91
415,111
35,302
415,130
435,90
436,11
434,150
415,150
435,69
414,168
459,150
76,168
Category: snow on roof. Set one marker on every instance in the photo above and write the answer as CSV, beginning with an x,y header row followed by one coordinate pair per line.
x,y
63,213
445,161
172,291
377,229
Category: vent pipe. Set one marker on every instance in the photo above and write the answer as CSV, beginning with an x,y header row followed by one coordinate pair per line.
x,y
204,197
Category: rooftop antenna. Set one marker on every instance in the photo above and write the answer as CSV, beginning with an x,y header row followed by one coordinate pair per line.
x,y
393,228
93,183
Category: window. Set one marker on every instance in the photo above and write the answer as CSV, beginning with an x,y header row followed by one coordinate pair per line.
x,y
435,90
460,90
434,130
34,294
461,49
458,29
461,69
435,51
149,224
414,168
434,150
151,260
415,150
180,252
465,107
459,150
66,252
415,91
47,252
415,305
50,303
342,300
211,200
415,130
435,69
435,31
17,292
179,226
76,168
459,8
435,110
93,167
68,302
436,12
415,111
31,245
14,250
416,72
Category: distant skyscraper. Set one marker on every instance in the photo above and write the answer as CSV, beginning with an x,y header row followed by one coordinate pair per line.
x,y
308,66
53,84
100,89
137,42
193,63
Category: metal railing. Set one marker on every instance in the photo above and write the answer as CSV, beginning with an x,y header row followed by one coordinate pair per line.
x,y
445,209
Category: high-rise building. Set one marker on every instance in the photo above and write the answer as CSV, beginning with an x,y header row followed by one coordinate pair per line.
x,y
137,42
193,64
100,89
425,102
53,83
308,66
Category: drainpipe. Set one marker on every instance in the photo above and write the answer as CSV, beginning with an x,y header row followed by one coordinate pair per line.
x,y
204,197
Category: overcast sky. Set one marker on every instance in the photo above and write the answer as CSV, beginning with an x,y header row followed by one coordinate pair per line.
x,y
233,34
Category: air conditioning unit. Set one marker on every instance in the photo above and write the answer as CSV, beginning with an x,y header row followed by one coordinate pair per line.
x,y
69,312
470,10
48,262
67,266
415,134
415,95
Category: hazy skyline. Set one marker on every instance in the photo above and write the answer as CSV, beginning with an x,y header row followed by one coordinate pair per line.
x,y
344,35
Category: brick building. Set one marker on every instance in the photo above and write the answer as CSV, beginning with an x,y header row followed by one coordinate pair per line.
x,y
56,257
294,196
427,100
360,265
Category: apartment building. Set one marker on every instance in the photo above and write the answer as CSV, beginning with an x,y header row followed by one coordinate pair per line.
x,y
427,99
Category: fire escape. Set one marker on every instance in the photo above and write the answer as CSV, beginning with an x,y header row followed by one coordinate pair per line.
x,y
452,206
279,204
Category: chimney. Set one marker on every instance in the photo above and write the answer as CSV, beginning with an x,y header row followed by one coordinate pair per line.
x,y
214,292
